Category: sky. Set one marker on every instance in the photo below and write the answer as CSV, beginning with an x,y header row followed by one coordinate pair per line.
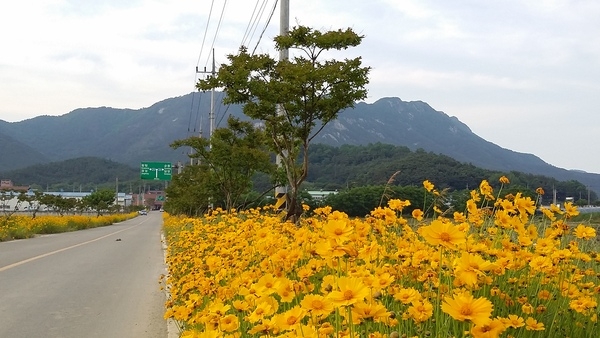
x,y
524,75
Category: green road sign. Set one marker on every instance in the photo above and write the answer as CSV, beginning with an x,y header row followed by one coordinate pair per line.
x,y
158,171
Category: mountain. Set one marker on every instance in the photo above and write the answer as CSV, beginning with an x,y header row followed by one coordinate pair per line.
x,y
16,154
77,173
132,136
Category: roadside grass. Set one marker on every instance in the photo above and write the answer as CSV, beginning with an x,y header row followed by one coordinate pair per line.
x,y
592,218
21,226
493,270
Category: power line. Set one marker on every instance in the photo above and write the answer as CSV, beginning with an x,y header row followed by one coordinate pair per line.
x,y
250,24
254,20
205,31
265,28
217,30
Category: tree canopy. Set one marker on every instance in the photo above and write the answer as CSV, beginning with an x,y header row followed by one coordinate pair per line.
x,y
294,98
224,169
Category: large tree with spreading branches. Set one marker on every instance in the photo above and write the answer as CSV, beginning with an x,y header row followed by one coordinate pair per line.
x,y
294,98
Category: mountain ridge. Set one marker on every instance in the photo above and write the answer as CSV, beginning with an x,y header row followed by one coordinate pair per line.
x,y
133,135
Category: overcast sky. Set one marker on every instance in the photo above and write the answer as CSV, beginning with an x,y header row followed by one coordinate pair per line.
x,y
524,75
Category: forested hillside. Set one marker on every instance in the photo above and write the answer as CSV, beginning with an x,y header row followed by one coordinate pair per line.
x,y
131,136
331,168
78,174
354,166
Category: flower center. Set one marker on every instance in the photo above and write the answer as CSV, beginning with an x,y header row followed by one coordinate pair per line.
x,y
466,311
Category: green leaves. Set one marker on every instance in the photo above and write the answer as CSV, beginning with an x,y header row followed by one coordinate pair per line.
x,y
227,163
293,96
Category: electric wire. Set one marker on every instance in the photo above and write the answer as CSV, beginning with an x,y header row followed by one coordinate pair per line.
x,y
257,15
196,73
253,24
265,28
217,30
249,24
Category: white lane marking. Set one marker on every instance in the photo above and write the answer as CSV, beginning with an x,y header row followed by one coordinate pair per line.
x,y
10,266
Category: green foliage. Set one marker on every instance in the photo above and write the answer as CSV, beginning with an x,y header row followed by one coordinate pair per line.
x,y
100,200
361,201
294,98
227,164
189,192
350,166
79,174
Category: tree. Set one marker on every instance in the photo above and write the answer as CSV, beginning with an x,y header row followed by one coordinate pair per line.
x,y
227,163
294,98
5,197
188,193
100,200
33,201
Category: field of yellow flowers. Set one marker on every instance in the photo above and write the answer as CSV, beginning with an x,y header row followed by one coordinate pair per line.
x,y
493,270
24,226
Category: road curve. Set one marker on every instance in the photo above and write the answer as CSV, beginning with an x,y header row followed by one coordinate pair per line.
x,y
101,282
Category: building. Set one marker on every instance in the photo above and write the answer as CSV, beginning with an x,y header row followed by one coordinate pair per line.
x,y
152,199
7,185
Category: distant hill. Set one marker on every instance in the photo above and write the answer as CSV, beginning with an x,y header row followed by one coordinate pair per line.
x,y
15,154
84,173
132,136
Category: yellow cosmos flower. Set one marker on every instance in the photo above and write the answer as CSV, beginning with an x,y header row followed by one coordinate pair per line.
x,y
514,321
241,305
584,232
507,205
229,323
486,189
525,205
570,209
267,284
407,295
459,217
469,267
417,214
398,205
504,180
442,233
428,185
420,310
491,330
383,280
464,307
372,310
317,305
540,263
350,290
290,319
265,327
262,310
338,230
583,304
548,213
533,325
285,290
527,308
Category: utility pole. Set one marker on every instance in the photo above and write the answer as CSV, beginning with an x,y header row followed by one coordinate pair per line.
x,y
284,27
211,115
117,191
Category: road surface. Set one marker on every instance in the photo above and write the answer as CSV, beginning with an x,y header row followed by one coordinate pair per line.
x,y
101,282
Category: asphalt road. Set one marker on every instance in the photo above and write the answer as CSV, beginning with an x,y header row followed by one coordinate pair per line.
x,y
101,282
